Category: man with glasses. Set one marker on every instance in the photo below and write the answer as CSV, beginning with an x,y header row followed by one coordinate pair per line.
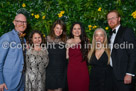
x,y
123,59
12,56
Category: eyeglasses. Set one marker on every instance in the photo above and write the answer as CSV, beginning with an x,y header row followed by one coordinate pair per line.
x,y
113,18
18,21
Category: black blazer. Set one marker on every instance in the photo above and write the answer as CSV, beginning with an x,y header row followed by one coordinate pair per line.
x,y
124,59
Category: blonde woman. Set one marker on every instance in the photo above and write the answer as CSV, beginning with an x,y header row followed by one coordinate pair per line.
x,y
99,56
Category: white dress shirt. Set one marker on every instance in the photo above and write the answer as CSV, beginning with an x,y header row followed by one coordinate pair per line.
x,y
112,41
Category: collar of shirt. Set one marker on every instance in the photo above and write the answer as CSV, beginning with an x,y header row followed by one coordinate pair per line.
x,y
19,34
16,32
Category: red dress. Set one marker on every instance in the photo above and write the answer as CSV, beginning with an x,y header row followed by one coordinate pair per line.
x,y
77,74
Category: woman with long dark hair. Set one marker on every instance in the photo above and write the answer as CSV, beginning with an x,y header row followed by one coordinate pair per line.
x,y
77,51
56,70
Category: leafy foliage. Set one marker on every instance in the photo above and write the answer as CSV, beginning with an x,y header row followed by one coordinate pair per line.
x,y
42,13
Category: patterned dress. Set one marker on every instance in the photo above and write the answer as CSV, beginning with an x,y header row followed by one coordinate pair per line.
x,y
36,63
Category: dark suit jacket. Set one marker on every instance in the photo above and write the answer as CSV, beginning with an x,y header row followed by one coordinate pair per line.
x,y
124,59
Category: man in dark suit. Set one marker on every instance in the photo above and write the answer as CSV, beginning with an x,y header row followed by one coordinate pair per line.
x,y
123,53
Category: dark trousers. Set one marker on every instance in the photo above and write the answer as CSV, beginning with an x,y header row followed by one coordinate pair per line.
x,y
118,85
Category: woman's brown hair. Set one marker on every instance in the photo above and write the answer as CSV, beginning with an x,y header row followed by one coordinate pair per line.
x,y
63,35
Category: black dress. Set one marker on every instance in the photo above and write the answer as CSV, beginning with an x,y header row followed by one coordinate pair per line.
x,y
100,75
56,70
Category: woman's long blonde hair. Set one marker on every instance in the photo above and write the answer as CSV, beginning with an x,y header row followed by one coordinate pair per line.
x,y
93,46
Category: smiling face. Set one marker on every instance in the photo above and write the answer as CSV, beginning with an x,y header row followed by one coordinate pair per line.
x,y
36,39
58,30
99,36
20,23
113,20
76,30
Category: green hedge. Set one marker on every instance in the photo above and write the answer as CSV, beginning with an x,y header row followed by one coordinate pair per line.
x,y
42,13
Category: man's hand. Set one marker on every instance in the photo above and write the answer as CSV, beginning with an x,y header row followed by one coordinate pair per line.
x,y
127,79
2,86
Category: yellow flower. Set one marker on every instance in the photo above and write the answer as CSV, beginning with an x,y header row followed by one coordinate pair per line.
x,y
89,26
37,16
23,5
32,14
44,36
62,12
99,9
134,14
106,28
59,15
94,27
43,17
